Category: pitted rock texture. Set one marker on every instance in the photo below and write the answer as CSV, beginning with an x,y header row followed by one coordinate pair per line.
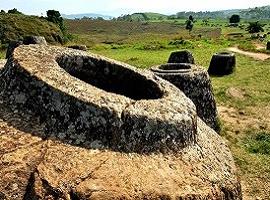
x,y
36,168
36,163
93,101
182,56
196,84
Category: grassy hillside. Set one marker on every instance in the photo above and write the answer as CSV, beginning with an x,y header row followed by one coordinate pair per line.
x,y
147,16
16,26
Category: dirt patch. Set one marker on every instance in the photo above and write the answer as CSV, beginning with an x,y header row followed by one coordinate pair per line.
x,y
239,120
257,56
236,93
259,46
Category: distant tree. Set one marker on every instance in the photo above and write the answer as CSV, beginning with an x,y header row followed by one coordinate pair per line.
x,y
189,23
235,19
14,11
55,17
255,27
100,18
2,12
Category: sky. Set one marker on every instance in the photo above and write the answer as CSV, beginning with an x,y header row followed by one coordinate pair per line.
x,y
118,7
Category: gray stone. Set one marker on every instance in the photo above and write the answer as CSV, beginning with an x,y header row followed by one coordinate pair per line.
x,y
105,100
34,40
26,41
222,64
182,56
196,84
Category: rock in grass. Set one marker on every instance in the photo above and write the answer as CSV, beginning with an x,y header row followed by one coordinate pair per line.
x,y
34,40
268,45
26,41
222,64
182,56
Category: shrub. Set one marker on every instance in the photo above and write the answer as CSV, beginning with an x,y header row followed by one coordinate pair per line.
x,y
255,27
14,11
235,19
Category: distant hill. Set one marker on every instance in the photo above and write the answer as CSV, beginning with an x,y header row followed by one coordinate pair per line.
x,y
251,13
88,15
16,26
146,16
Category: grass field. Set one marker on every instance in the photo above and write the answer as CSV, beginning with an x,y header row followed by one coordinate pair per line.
x,y
244,113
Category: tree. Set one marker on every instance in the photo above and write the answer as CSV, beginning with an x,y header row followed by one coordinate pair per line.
x,y
14,11
234,19
189,23
55,17
255,27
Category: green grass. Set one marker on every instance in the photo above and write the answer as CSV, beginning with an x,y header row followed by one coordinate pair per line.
x,y
258,143
2,54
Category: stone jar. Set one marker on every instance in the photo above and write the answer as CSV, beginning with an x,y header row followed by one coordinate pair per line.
x,y
194,81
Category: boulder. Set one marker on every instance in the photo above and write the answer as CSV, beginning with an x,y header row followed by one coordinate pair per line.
x,y
182,56
194,81
81,126
26,41
222,64
34,40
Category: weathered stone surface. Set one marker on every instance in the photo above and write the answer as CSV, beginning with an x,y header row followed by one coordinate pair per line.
x,y
222,64
36,162
196,84
182,56
109,104
32,168
78,47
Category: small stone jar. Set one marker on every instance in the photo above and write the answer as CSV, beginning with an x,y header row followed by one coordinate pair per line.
x,y
194,81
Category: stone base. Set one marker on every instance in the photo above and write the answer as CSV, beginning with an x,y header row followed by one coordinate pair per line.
x,y
32,168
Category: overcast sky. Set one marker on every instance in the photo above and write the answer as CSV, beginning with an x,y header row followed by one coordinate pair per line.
x,y
117,7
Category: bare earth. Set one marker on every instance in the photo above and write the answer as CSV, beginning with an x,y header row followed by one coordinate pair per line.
x,y
257,56
237,122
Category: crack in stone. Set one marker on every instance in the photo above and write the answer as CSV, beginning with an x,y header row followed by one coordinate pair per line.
x,y
91,173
